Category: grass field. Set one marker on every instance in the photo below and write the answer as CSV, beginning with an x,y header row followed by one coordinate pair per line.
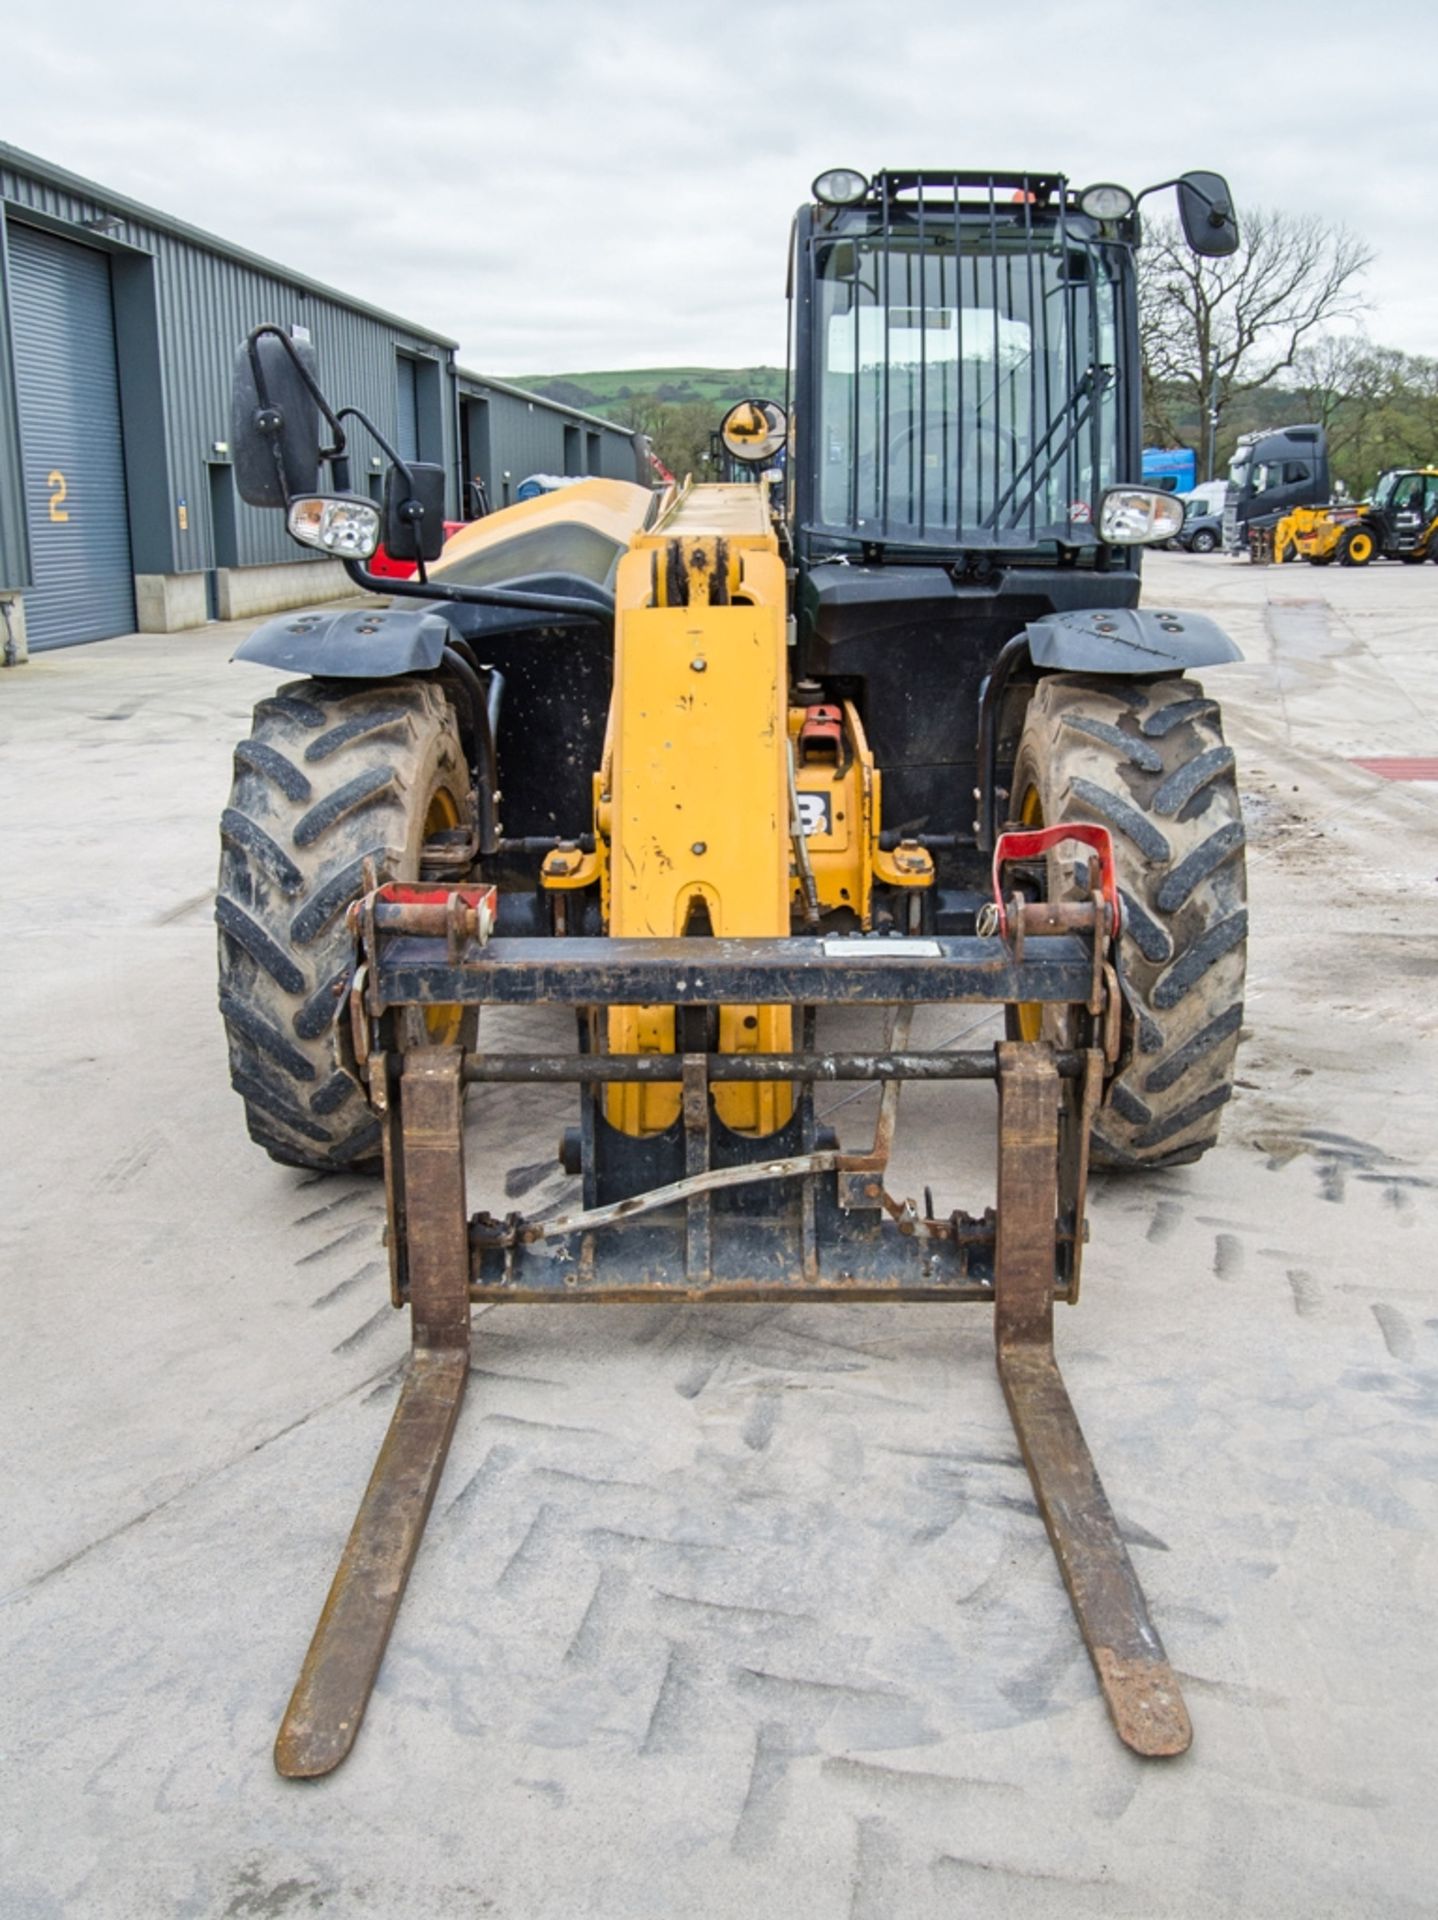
x,y
672,385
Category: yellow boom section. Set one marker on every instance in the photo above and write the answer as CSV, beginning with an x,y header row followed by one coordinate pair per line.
x,y
695,794
548,534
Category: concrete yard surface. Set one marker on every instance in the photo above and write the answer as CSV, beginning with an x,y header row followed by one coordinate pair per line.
x,y
737,1610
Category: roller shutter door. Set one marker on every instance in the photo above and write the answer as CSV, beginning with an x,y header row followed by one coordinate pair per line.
x,y
64,334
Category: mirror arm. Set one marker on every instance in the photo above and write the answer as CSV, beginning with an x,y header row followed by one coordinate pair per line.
x,y
1218,212
1158,187
565,606
355,413
411,510
307,379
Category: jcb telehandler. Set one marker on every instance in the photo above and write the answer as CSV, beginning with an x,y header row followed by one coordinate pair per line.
x,y
884,727
1398,522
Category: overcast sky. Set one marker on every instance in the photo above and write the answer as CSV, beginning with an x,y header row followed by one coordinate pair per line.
x,y
564,186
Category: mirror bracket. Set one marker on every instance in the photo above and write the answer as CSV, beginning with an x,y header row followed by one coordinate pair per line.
x,y
275,412
1216,235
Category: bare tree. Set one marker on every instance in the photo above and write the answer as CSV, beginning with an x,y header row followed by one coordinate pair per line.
x,y
1379,406
1215,329
1345,382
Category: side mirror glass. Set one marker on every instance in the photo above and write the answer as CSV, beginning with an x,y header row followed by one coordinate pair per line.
x,y
1205,206
414,513
274,422
753,431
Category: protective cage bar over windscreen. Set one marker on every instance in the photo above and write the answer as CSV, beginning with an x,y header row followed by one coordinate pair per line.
x,y
968,388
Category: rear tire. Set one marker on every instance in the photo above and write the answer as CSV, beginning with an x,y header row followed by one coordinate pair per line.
x,y
1203,542
332,774
1146,759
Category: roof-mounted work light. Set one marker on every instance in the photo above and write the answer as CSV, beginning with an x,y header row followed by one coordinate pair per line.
x,y
1106,201
840,187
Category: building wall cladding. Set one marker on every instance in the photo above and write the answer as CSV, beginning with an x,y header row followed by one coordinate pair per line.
x,y
183,302
182,307
528,435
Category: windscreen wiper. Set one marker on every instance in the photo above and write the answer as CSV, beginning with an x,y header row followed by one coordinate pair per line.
x,y
1076,412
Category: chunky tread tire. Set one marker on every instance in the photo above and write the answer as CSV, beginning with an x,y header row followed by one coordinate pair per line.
x,y
333,775
1147,760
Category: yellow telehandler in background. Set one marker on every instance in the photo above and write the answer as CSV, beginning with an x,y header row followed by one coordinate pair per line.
x,y
1399,522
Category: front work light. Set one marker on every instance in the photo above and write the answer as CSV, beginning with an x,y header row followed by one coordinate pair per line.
x,y
1135,516
347,527
1106,202
840,187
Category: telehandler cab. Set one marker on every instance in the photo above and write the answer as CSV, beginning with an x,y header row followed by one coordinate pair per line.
x,y
703,762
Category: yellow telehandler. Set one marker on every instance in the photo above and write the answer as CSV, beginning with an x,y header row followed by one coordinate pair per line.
x,y
698,764
1399,522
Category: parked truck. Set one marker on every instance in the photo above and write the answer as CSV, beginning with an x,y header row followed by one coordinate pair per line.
x,y
1170,469
1272,473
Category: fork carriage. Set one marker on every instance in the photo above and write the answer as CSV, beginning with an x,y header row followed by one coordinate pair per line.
x,y
807,1221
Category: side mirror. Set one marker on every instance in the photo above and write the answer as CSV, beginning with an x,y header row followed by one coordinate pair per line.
x,y
414,512
1205,206
274,421
753,431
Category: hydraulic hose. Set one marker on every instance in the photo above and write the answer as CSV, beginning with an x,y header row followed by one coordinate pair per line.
x,y
482,715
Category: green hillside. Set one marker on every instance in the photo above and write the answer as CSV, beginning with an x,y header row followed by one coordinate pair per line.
x,y
669,386
678,407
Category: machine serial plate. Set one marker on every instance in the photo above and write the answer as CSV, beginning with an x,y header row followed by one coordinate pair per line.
x,y
845,947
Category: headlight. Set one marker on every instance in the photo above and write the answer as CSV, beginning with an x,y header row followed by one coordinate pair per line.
x,y
1132,516
840,187
349,529
1106,202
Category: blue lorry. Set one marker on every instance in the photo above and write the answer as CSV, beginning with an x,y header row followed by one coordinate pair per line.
x,y
1171,469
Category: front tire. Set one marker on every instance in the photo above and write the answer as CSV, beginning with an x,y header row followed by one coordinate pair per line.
x,y
1203,542
1356,548
332,775
1146,759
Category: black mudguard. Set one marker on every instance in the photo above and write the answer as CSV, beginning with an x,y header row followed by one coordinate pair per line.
x,y
1134,642
360,643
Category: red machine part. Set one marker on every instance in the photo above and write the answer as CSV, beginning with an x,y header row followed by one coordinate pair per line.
x,y
434,912
389,569
821,736
1028,843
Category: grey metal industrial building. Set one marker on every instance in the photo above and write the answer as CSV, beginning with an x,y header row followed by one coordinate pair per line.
x,y
118,328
